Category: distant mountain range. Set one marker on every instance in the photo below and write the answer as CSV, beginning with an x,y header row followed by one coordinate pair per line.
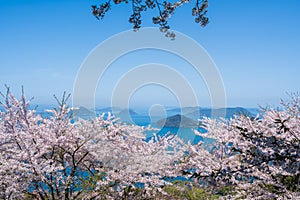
x,y
108,109
127,112
188,117
177,121
175,117
198,112
83,112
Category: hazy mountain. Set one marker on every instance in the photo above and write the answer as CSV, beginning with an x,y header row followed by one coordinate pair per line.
x,y
254,111
127,112
177,121
209,112
182,111
83,112
108,109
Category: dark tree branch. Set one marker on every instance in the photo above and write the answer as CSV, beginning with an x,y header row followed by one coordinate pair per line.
x,y
165,11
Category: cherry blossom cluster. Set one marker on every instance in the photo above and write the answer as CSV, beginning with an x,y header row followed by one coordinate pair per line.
x,y
53,158
259,157
56,157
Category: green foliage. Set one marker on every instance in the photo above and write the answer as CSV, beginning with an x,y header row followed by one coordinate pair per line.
x,y
291,182
200,193
174,192
88,183
184,190
226,191
272,188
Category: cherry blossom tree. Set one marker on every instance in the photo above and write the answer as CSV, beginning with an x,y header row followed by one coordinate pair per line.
x,y
53,158
56,157
259,158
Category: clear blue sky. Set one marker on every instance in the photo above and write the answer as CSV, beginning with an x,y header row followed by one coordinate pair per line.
x,y
255,44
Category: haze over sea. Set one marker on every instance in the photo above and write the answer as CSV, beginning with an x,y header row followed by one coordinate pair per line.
x,y
143,117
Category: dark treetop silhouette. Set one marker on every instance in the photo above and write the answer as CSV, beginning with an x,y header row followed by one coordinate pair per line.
x,y
165,10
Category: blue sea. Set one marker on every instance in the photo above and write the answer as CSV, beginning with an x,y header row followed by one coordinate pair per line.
x,y
142,119
186,134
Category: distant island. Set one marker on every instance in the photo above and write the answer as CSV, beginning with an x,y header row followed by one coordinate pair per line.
x,y
229,112
83,112
177,121
198,112
176,117
127,112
